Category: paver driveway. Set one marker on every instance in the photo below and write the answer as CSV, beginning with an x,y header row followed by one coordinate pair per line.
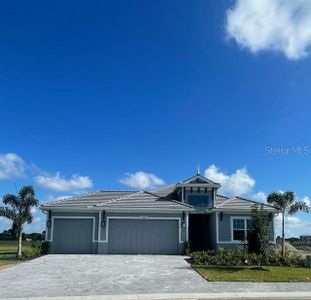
x,y
79,275
72,275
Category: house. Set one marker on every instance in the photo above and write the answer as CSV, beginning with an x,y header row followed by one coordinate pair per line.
x,y
155,222
305,238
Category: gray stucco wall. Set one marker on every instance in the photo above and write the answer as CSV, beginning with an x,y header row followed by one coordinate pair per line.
x,y
224,227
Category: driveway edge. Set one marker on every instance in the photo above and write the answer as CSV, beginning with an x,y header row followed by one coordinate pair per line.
x,y
186,296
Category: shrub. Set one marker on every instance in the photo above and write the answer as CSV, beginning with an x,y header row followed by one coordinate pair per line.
x,y
187,250
259,234
33,251
45,247
237,257
36,250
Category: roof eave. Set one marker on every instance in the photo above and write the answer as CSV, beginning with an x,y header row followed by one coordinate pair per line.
x,y
111,209
221,209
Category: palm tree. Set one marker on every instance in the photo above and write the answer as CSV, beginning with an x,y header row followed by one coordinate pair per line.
x,y
285,202
18,209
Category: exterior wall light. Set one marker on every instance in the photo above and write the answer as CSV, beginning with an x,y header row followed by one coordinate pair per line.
x,y
103,222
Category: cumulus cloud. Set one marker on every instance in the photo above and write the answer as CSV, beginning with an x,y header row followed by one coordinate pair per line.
x,y
280,25
11,166
33,210
142,180
306,200
260,196
238,183
294,225
61,184
53,198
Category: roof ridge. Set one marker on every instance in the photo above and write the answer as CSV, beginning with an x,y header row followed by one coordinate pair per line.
x,y
88,194
74,196
228,200
171,200
152,194
256,202
163,187
199,175
181,203
119,198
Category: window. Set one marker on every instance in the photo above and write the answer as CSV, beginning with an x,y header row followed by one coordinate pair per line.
x,y
200,200
240,227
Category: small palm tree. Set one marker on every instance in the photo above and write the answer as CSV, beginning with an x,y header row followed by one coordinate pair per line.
x,y
285,202
18,209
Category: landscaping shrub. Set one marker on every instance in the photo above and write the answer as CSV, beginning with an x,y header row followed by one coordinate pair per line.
x,y
33,251
36,249
238,257
45,248
187,249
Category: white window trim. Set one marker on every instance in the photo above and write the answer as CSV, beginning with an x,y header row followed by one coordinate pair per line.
x,y
217,230
245,227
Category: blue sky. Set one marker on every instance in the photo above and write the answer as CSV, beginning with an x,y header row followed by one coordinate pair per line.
x,y
134,94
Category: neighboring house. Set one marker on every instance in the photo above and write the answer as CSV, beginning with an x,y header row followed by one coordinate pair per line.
x,y
305,238
155,222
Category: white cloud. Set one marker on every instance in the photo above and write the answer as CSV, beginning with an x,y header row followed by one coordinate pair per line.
x,y
306,200
11,166
142,180
33,210
260,196
294,226
60,183
278,25
54,198
238,183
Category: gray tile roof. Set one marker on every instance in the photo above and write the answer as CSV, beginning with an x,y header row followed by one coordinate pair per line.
x,y
160,198
220,200
165,190
90,198
238,203
118,200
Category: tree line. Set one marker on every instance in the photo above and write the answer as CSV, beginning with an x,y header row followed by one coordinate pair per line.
x,y
8,235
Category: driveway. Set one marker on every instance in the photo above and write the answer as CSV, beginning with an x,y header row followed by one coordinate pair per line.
x,y
73,275
79,275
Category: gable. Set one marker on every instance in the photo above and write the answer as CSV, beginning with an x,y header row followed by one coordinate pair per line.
x,y
199,179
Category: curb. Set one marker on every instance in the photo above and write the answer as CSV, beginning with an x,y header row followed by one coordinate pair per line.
x,y
185,296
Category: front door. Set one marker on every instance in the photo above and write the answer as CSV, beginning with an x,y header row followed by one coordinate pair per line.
x,y
199,235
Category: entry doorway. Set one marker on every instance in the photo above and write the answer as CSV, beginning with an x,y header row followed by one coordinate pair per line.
x,y
200,232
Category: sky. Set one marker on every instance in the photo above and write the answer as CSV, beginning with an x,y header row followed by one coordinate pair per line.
x,y
137,94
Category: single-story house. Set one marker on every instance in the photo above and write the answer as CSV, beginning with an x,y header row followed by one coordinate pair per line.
x,y
155,222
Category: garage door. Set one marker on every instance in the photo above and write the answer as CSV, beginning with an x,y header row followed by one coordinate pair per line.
x,y
72,236
143,236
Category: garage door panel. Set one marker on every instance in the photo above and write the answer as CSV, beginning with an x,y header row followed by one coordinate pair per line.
x,y
72,236
143,236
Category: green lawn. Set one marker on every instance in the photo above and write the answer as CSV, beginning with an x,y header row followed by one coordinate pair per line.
x,y
266,274
8,253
